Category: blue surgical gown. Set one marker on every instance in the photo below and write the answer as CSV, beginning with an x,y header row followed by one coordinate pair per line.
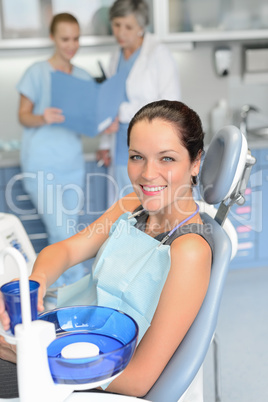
x,y
52,163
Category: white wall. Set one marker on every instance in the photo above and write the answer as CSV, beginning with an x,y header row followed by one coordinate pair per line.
x,y
201,87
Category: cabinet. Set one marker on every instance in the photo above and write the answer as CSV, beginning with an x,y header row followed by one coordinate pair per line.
x,y
2,192
190,20
17,202
181,21
250,219
26,24
95,191
263,243
14,200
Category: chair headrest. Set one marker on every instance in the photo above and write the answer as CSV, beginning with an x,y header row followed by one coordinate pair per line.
x,y
223,165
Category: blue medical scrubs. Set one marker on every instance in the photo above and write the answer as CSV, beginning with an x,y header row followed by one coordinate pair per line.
x,y
53,164
121,147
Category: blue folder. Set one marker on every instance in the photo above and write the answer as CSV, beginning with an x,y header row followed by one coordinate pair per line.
x,y
88,107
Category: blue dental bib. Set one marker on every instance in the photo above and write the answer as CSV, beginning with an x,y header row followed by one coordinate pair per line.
x,y
128,274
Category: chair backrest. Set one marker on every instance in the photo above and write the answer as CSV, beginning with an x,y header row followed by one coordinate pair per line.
x,y
222,169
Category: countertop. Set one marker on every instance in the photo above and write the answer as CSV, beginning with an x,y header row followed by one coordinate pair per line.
x,y
11,158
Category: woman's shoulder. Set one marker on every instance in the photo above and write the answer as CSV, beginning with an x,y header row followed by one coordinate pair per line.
x,y
201,229
191,259
126,204
34,73
38,66
193,245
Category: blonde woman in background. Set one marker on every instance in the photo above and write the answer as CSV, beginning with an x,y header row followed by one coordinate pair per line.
x,y
52,156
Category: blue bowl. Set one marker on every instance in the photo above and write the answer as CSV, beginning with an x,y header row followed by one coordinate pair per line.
x,y
114,332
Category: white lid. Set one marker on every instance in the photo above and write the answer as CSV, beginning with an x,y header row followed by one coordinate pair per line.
x,y
80,350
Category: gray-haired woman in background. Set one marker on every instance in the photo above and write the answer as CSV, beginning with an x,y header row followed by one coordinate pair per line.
x,y
153,75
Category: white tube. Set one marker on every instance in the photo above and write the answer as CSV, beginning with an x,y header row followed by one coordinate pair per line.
x,y
23,279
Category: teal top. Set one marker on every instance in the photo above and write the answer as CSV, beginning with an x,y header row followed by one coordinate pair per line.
x,y
121,147
48,148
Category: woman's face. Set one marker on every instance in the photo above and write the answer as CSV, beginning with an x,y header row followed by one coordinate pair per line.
x,y
127,32
66,40
159,166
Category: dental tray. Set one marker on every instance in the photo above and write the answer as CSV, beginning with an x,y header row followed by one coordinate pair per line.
x,y
92,343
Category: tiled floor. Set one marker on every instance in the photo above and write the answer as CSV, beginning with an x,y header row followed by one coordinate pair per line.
x,y
243,339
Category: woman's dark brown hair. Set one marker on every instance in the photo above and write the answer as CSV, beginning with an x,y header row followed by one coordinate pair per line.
x,y
186,122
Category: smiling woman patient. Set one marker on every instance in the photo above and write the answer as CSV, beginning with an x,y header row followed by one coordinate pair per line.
x,y
156,261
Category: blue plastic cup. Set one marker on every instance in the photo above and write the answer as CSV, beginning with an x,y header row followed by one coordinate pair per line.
x,y
11,293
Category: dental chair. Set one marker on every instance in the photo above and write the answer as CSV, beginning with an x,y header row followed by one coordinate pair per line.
x,y
223,180
224,176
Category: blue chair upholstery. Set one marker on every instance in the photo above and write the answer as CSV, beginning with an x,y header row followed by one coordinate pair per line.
x,y
226,161
223,165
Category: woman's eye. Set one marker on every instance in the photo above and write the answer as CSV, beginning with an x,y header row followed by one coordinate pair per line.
x,y
168,159
135,157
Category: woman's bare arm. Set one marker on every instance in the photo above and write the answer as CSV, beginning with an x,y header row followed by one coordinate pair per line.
x,y
55,259
28,119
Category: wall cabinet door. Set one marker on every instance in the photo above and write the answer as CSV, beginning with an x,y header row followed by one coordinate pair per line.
x,y
25,23
263,235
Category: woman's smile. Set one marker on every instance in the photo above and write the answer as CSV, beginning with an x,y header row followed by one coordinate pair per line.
x,y
152,190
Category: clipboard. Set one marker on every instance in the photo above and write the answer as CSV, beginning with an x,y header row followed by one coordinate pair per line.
x,y
88,107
